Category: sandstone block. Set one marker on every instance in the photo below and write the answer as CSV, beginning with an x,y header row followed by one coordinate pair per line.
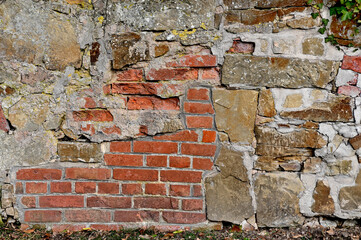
x,y
236,113
323,202
79,152
350,197
266,104
277,72
231,164
313,46
277,199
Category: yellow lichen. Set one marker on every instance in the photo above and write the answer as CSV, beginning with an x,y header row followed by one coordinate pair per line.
x,y
184,34
100,19
203,26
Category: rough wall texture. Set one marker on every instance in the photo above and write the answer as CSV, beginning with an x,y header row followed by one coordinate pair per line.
x,y
176,114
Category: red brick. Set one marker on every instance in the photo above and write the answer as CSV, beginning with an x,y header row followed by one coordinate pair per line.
x,y
107,89
89,128
111,130
157,161
60,187
210,74
198,149
61,201
120,147
106,227
241,47
123,160
202,163
198,94
85,187
136,216
135,174
57,228
185,135
42,216
194,61
180,176
352,63
179,162
19,188
172,74
109,202
87,216
88,173
352,91
33,187
200,108
111,188
38,174
4,125
197,191
155,188
29,202
192,204
155,147
93,115
89,102
156,202
209,136
152,103
184,217
130,75
132,189
199,122
180,190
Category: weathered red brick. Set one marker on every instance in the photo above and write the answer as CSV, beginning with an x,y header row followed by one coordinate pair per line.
x,y
136,216
60,187
109,202
120,147
192,204
197,191
352,63
135,174
184,217
155,188
42,216
172,74
4,125
156,202
152,103
38,174
106,227
199,122
352,91
241,47
92,115
210,74
202,163
33,187
29,202
194,61
157,161
88,215
87,173
129,75
123,160
57,228
180,176
179,162
198,149
185,135
180,190
89,103
110,188
89,128
155,147
198,94
111,130
200,108
209,136
64,201
85,187
132,188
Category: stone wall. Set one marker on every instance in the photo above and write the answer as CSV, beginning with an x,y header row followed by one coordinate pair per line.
x,y
176,114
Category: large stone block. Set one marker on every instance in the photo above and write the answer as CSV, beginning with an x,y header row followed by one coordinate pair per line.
x,y
350,197
231,164
323,202
277,199
228,199
80,152
163,15
236,113
277,72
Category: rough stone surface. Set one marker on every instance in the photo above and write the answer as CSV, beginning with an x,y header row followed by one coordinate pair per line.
x,y
277,199
324,203
350,197
228,199
266,105
313,46
277,72
231,164
233,116
80,152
